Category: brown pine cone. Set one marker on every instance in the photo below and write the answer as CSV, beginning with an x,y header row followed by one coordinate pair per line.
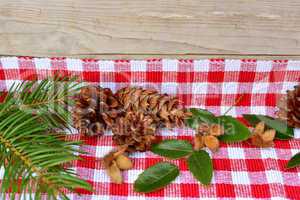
x,y
289,107
95,110
164,109
135,130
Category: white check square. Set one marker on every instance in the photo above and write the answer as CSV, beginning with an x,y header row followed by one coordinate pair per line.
x,y
260,88
74,64
137,197
199,88
133,174
101,176
201,65
293,65
288,86
232,111
268,153
229,88
138,65
232,65
236,153
10,62
106,66
1,171
170,88
102,151
264,66
173,198
274,177
111,85
42,63
10,83
240,178
294,151
170,65
297,133
102,197
258,110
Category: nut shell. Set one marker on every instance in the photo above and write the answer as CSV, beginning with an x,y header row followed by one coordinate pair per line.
x,y
95,110
115,173
211,142
198,142
123,162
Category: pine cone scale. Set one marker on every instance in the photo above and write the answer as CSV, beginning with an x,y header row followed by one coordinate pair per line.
x,y
162,108
289,107
132,129
94,110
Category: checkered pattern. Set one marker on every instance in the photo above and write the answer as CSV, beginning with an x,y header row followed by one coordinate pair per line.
x,y
241,170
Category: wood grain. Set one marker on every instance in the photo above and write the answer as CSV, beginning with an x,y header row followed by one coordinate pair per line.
x,y
156,27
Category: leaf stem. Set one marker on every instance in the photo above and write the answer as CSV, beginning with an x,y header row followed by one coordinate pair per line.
x,y
235,103
43,102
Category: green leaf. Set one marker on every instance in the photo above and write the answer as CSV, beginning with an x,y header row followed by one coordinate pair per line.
x,y
234,131
200,165
156,177
283,131
294,161
200,116
172,148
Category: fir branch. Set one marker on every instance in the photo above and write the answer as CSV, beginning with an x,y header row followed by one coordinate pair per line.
x,y
49,98
33,157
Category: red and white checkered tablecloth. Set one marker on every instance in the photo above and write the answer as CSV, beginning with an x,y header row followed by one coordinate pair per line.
x,y
241,170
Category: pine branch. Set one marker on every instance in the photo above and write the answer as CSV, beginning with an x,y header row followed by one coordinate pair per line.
x,y
33,157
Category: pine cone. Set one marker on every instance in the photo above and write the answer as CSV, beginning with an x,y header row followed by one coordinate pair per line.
x,y
95,110
289,107
135,130
164,109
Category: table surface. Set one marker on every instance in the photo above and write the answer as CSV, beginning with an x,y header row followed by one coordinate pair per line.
x,y
241,170
158,28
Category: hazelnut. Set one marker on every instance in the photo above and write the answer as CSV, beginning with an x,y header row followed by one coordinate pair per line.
x,y
198,142
211,142
259,128
216,130
114,172
268,135
123,162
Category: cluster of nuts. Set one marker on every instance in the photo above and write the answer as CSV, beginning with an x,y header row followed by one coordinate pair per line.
x,y
206,136
263,137
115,162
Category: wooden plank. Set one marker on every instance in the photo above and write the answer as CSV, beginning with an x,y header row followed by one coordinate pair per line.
x,y
100,27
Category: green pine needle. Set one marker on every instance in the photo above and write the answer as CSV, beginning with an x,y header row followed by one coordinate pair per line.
x,y
32,154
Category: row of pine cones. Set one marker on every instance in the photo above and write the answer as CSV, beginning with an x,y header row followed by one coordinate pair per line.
x,y
133,114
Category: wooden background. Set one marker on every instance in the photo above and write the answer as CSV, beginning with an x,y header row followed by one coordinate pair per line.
x,y
150,28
